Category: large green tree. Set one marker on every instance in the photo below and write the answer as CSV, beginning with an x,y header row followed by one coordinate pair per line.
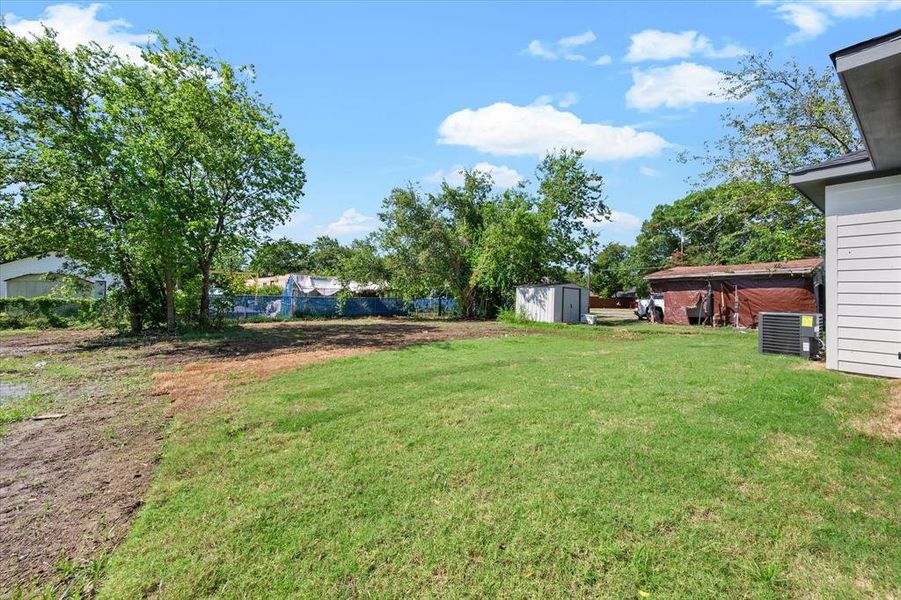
x,y
281,256
326,256
152,171
613,270
78,189
476,245
780,118
733,222
238,174
362,262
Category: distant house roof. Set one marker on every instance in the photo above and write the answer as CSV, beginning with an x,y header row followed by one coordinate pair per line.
x,y
803,266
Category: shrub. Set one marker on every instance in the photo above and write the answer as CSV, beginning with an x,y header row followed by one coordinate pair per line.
x,y
509,315
46,311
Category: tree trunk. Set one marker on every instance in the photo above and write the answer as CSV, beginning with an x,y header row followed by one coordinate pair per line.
x,y
204,317
465,297
170,296
135,316
135,319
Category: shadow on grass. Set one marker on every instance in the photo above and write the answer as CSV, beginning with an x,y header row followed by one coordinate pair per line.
x,y
268,338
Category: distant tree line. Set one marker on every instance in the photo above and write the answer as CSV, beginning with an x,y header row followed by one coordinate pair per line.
x,y
324,256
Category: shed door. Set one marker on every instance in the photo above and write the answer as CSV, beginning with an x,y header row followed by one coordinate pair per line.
x,y
867,269
571,305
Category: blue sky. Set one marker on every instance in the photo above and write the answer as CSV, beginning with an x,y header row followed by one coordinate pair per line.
x,y
378,95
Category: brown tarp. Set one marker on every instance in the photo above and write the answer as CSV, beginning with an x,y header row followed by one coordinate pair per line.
x,y
683,298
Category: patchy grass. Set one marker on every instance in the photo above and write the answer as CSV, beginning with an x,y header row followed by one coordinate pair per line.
x,y
580,462
19,396
19,408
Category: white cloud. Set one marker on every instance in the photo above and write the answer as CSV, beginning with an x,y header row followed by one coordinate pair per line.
x,y
79,25
563,48
675,86
603,60
577,40
352,222
536,48
568,99
564,100
652,44
812,18
648,171
619,221
502,176
507,130
809,21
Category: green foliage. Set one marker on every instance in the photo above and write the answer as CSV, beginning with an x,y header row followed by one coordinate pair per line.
x,y
781,119
359,261
509,315
341,301
326,256
735,222
476,245
44,311
614,270
280,257
363,263
154,172
13,410
572,197
270,289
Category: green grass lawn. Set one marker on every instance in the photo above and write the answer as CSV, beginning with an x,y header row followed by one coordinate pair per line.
x,y
581,462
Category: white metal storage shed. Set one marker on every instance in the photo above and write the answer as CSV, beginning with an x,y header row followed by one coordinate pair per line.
x,y
860,194
28,277
552,303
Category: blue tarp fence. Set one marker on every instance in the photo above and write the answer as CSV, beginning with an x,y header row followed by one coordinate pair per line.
x,y
249,306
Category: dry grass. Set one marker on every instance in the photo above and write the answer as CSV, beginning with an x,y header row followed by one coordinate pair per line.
x,y
887,422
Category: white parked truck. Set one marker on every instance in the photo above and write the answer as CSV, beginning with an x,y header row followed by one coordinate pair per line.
x,y
649,308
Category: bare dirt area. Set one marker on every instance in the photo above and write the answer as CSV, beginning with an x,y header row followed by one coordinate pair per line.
x,y
888,422
69,486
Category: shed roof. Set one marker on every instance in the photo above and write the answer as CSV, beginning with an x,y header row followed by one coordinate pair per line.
x,y
803,266
550,284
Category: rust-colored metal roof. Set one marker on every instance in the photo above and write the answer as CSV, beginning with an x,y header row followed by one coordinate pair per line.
x,y
802,266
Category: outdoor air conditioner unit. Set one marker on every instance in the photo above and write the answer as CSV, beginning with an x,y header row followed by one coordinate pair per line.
x,y
790,333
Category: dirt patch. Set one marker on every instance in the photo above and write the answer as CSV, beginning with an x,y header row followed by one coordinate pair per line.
x,y
70,487
202,385
43,342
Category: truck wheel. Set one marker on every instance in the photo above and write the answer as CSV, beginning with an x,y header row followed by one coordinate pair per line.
x,y
658,316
